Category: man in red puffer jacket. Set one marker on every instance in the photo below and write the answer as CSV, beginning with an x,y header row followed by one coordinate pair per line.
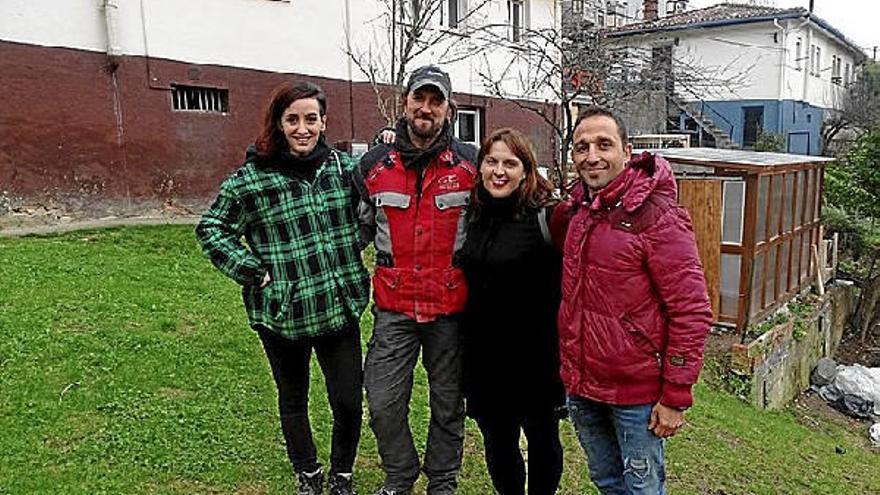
x,y
635,313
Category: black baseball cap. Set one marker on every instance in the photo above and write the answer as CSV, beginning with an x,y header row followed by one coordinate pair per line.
x,y
430,75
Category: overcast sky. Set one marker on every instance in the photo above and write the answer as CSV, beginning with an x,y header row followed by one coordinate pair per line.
x,y
856,19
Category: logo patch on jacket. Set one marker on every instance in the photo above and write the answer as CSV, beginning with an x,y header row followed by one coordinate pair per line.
x,y
676,360
449,183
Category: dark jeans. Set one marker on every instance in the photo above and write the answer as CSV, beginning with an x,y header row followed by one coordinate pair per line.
x,y
340,358
625,458
501,432
388,377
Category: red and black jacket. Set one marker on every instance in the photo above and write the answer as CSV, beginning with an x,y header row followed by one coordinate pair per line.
x,y
417,227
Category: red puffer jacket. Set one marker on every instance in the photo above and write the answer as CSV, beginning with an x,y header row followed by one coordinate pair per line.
x,y
635,313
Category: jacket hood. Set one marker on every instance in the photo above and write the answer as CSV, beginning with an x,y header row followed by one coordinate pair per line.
x,y
643,175
651,173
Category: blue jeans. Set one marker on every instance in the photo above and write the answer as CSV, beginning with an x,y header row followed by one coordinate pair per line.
x,y
623,455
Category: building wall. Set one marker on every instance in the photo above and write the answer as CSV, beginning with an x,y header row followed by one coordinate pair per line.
x,y
798,122
306,37
84,137
79,139
750,56
760,61
814,87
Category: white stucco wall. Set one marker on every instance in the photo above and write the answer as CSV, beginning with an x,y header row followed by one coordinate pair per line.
x,y
301,36
804,84
754,55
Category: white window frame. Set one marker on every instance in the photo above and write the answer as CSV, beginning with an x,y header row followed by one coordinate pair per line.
x,y
461,11
742,211
516,31
478,124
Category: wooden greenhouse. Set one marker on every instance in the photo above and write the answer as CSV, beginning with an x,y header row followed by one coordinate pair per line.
x,y
756,219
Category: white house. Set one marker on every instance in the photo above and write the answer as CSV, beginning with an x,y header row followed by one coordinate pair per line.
x,y
112,105
788,69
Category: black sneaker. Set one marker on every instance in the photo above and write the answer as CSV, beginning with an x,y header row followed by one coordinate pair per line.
x,y
311,483
341,484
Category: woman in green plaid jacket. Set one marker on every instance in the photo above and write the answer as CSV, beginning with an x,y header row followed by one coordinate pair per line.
x,y
303,282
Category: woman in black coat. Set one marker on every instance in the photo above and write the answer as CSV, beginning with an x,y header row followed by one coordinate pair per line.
x,y
511,356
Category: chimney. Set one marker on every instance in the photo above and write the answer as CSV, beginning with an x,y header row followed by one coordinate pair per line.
x,y
650,7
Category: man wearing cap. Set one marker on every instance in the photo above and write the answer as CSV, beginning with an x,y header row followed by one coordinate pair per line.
x,y
414,194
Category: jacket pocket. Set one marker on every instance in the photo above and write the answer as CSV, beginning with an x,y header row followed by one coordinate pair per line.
x,y
458,199
392,199
639,338
276,298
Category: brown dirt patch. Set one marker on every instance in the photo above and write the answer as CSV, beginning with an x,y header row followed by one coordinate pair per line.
x,y
853,351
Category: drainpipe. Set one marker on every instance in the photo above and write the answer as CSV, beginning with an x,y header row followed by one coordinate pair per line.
x,y
114,55
111,24
783,40
809,59
349,70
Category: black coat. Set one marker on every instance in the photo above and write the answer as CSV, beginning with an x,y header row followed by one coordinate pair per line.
x,y
511,353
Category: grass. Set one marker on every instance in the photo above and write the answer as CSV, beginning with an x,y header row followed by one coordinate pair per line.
x,y
126,366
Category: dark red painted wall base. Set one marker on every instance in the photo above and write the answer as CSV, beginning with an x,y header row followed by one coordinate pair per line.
x,y
87,139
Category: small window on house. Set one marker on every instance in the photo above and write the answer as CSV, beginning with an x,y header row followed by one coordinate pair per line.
x,y
846,74
761,214
812,59
770,276
515,16
794,273
798,54
782,284
468,126
818,69
730,268
835,69
759,273
577,7
733,200
199,99
788,202
456,11
777,188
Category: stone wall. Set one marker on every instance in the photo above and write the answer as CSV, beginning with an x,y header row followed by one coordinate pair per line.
x,y
777,364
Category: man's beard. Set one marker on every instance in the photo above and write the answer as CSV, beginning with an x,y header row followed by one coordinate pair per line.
x,y
428,133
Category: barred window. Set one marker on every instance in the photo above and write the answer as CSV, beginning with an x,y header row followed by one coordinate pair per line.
x,y
199,99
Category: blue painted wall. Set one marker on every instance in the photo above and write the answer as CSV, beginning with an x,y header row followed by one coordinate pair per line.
x,y
799,122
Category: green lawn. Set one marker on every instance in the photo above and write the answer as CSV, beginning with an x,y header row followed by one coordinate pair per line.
x,y
126,366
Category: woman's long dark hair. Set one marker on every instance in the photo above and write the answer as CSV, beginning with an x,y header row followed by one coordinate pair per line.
x,y
271,141
535,191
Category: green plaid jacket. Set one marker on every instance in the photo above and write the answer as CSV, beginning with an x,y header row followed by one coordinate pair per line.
x,y
304,234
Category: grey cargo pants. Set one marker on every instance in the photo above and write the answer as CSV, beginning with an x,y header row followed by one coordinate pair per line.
x,y
388,379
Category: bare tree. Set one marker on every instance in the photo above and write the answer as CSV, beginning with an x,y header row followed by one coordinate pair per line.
x,y
858,108
580,64
405,31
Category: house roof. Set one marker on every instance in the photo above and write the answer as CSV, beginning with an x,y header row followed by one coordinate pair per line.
x,y
728,14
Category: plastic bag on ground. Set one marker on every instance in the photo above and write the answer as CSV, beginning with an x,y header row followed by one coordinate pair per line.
x,y
855,390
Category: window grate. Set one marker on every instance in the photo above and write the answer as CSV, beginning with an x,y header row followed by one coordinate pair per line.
x,y
199,99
